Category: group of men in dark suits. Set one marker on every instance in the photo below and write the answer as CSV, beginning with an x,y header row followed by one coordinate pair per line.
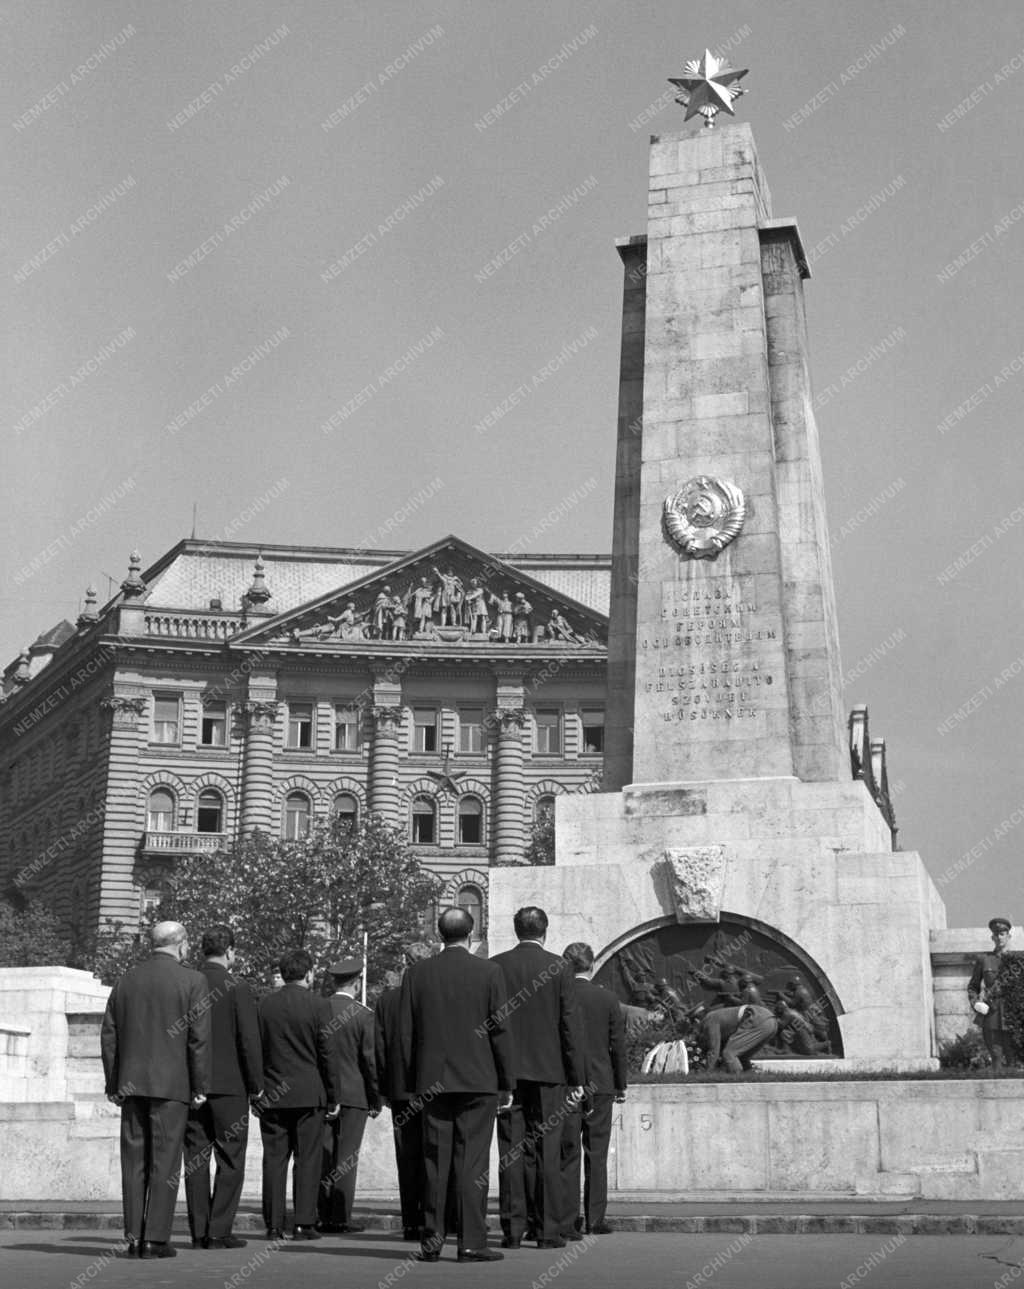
x,y
509,1039
186,1054
523,1038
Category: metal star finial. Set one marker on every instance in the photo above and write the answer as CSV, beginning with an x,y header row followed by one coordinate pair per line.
x,y
708,87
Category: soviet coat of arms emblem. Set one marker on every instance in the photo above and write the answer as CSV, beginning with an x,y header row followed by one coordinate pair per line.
x,y
704,516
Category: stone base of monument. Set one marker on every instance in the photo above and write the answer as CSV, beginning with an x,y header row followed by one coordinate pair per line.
x,y
780,878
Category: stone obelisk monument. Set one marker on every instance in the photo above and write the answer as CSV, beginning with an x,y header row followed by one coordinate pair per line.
x,y
729,788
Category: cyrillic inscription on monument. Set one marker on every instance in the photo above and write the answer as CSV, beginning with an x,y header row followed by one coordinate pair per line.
x,y
712,663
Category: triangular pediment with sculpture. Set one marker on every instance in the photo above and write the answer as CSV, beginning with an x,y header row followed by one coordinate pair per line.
x,y
449,593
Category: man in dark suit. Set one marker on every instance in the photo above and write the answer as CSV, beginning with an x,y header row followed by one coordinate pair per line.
x,y
155,1043
299,1085
604,1069
985,996
548,1057
736,1034
458,1061
220,1127
356,1067
406,1110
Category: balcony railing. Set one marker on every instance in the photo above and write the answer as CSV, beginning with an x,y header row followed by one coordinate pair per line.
x,y
192,625
185,843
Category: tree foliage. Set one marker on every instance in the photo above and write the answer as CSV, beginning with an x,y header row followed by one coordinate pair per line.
x,y
319,894
1009,986
31,936
540,849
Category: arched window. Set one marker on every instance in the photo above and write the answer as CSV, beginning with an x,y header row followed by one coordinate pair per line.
x,y
544,808
471,899
297,812
346,810
423,830
210,811
471,821
160,811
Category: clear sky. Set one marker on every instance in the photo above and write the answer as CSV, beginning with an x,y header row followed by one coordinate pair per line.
x,y
340,194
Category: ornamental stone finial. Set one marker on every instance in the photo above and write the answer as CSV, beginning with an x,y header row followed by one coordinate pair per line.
x,y
88,614
259,593
708,87
133,586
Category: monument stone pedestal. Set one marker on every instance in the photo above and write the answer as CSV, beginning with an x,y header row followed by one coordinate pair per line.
x,y
731,795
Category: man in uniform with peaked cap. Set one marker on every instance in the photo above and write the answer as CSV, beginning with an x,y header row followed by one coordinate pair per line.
x,y
986,999
352,1038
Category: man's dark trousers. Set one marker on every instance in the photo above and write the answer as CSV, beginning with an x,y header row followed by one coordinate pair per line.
x,y
295,1132
342,1139
457,1129
219,1127
407,1129
534,1124
152,1132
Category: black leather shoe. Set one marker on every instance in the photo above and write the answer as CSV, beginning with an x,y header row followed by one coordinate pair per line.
x,y
130,1250
427,1255
274,1233
157,1249
355,1228
602,1228
480,1255
572,1235
306,1233
330,1228
224,1242
509,1242
558,1243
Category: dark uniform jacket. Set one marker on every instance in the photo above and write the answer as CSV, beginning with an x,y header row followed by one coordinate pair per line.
x,y
604,1038
298,1055
355,1061
388,1047
452,1026
542,1016
980,987
155,1037
237,1059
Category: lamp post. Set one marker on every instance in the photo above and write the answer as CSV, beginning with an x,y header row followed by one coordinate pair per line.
x,y
375,907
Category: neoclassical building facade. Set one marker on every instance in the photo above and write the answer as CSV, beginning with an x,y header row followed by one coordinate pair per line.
x,y
229,688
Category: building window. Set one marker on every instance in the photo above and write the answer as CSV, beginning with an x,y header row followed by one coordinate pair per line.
x,y
549,734
347,727
300,724
215,725
345,810
544,808
471,729
592,719
471,821
424,729
423,818
210,811
471,899
160,812
297,811
166,720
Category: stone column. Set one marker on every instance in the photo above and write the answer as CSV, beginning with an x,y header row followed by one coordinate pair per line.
x,y
258,767
119,896
384,759
509,787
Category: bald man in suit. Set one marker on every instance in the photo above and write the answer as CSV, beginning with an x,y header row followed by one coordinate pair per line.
x,y
155,1044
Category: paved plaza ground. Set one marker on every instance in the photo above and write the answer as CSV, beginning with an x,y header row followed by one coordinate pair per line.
x,y
67,1259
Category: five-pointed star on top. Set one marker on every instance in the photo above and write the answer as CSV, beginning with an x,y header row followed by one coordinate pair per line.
x,y
709,87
